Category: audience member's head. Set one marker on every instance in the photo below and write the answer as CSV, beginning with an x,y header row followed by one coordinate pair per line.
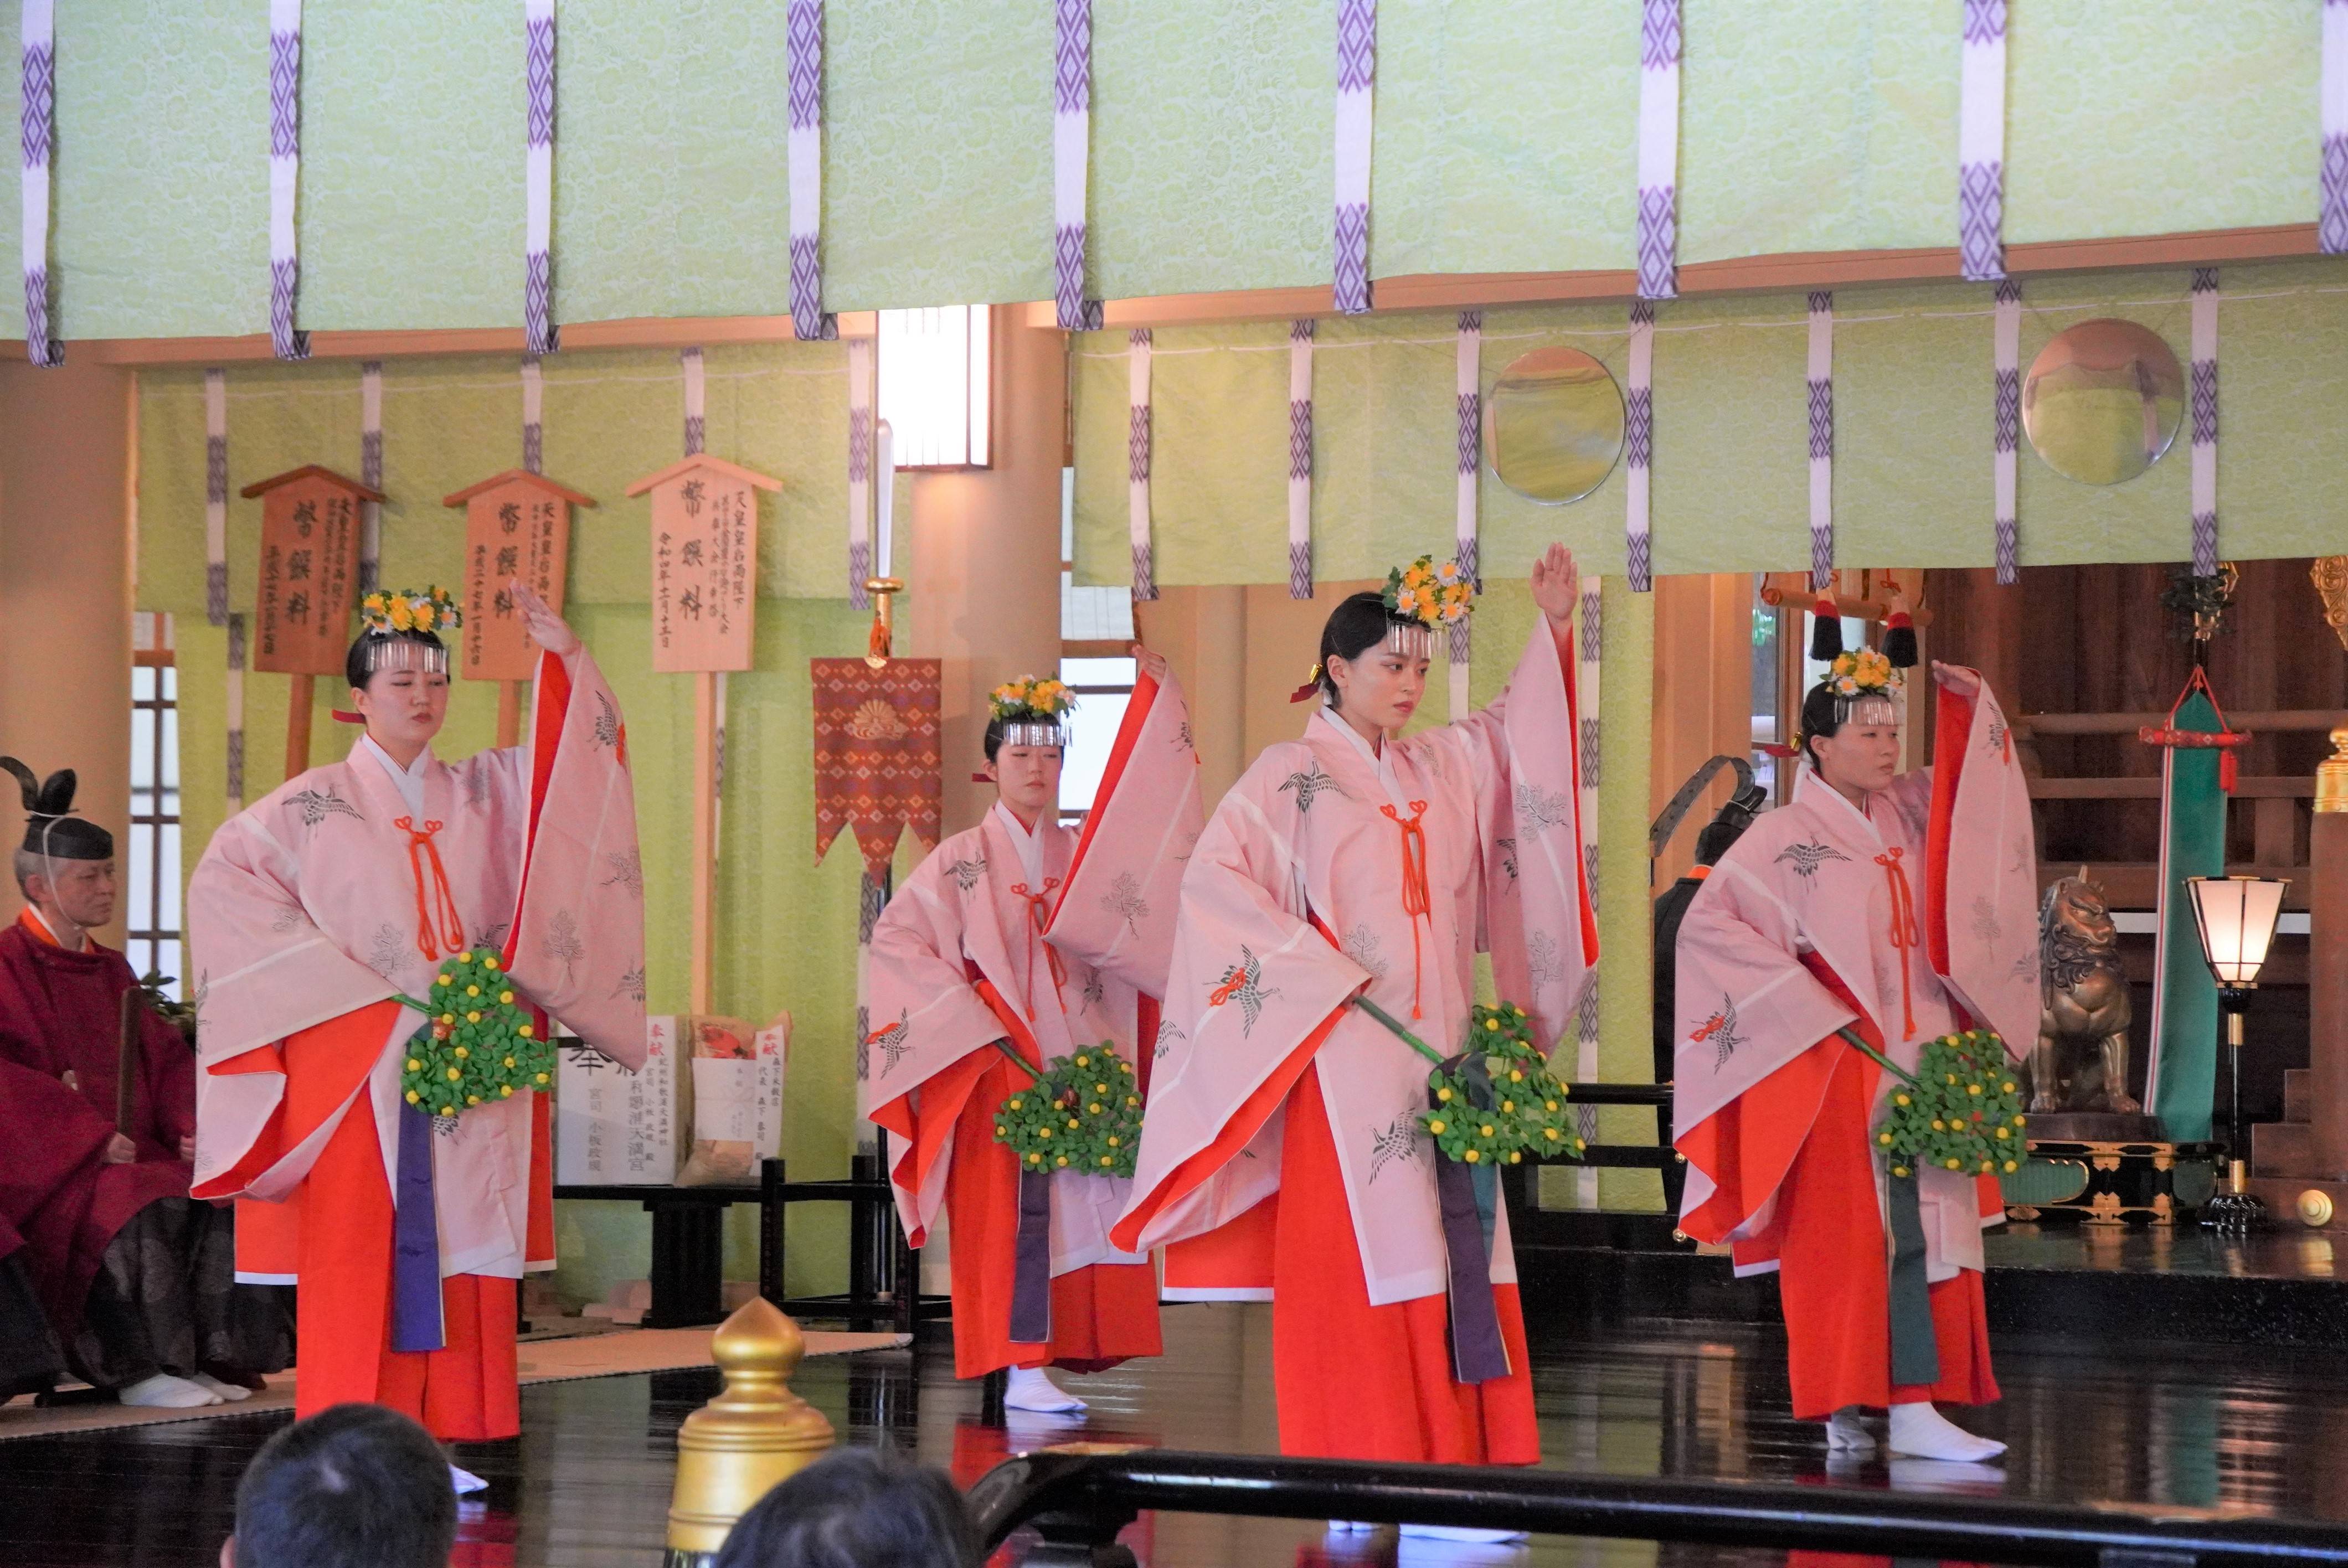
x,y
358,1486
858,1508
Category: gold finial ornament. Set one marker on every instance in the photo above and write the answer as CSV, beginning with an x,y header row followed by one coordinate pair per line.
x,y
733,1450
2331,577
2316,1208
881,642
2332,775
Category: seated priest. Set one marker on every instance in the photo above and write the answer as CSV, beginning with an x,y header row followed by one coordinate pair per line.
x,y
134,1276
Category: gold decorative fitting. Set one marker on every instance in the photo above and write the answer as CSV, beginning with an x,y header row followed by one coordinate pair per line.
x,y
2332,775
2316,1208
736,1448
2331,577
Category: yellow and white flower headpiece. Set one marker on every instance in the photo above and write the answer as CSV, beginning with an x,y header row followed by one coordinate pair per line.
x,y
384,616
1029,710
1425,597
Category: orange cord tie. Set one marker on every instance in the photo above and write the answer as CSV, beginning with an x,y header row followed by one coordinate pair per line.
x,y
1905,936
450,933
1037,918
1416,901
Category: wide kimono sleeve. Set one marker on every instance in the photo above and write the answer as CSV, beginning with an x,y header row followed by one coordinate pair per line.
x,y
1117,908
1253,988
930,1034
577,945
1981,867
1536,916
1748,1081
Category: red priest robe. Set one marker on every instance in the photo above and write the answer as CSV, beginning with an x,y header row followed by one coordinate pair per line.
x,y
1821,917
960,960
1291,1163
59,1015
307,914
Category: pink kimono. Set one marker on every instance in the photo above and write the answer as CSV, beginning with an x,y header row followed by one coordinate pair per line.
x,y
340,889
1913,919
1327,871
1045,940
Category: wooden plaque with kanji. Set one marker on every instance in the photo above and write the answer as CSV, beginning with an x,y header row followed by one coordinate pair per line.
x,y
517,525
308,572
704,539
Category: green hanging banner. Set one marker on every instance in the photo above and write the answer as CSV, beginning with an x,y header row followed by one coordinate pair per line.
x,y
2197,773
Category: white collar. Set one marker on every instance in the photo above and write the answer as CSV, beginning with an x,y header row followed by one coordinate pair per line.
x,y
33,909
409,780
1030,844
1380,761
1810,787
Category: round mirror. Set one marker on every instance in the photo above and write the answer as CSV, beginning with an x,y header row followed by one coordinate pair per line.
x,y
2103,401
1553,425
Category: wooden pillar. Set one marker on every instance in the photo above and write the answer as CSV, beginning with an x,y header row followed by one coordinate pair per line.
x,y
301,697
1702,696
2327,963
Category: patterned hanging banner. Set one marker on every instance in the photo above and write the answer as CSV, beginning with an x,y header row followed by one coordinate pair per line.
x,y
1659,150
2331,200
805,49
235,707
2205,421
370,475
1136,464
1980,141
534,414
1468,363
538,167
1299,458
1821,389
2008,437
696,423
1592,643
216,496
1071,120
860,471
37,113
284,175
1358,61
1639,445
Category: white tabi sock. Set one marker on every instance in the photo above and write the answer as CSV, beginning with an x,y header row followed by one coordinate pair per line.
x,y
1847,1433
1027,1388
230,1392
1921,1432
164,1392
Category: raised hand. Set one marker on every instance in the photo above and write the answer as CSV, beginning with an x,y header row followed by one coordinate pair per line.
x,y
1556,586
548,629
1150,664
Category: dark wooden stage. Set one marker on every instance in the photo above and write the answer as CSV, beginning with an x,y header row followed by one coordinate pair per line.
x,y
2238,1427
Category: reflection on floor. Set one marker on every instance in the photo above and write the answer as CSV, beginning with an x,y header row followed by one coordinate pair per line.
x,y
2246,1429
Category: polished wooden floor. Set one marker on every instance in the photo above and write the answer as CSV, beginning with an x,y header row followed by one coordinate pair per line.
x,y
2242,1429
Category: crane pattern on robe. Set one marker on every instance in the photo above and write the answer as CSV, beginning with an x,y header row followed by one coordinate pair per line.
x,y
1243,982
315,805
1806,858
1308,783
892,1039
1721,1029
1398,1140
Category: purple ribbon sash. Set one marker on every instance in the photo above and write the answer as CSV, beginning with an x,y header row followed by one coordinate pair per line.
x,y
1467,1195
1030,1276
416,1321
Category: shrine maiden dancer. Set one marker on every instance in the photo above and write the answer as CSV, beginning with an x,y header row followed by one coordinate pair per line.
x,y
314,916
1281,1150
1017,936
1898,910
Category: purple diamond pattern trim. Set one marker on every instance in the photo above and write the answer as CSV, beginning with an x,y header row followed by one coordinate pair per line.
x,y
2331,221
1589,750
284,95
2205,402
697,434
2205,278
533,449
1468,552
1471,446
216,468
859,445
2008,410
1068,265
1136,445
1639,419
1640,564
1300,330
216,594
1072,58
1299,439
1300,569
1984,21
1357,44
236,765
538,302
1592,641
36,113
1144,583
1659,34
539,48
2205,544
804,59
1659,242
807,288
236,640
1459,649
39,347
2009,553
860,572
1353,257
284,279
1821,419
1981,220
371,457
1822,558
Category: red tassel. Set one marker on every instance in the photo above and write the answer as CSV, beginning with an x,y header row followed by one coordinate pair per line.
x,y
979,778
1304,693
343,718
2229,770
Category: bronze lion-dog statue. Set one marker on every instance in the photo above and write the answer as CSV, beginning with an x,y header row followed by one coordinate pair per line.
x,y
2081,1060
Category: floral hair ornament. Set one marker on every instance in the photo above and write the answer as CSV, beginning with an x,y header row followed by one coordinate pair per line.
x,y
1422,598
384,617
1028,710
1861,680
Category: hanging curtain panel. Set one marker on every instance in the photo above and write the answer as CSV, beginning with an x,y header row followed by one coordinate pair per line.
x,y
1299,458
